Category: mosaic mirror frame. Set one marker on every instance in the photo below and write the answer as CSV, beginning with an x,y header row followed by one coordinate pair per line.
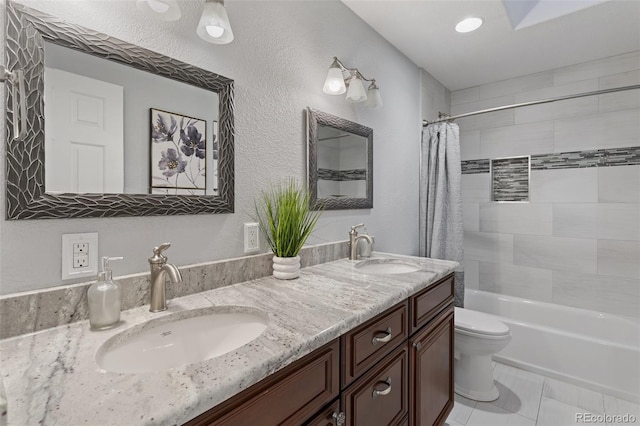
x,y
318,118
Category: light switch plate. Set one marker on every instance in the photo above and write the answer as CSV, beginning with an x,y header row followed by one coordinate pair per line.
x,y
79,255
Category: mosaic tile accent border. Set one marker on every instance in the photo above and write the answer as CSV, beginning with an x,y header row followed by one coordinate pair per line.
x,y
568,160
342,175
475,166
510,179
582,159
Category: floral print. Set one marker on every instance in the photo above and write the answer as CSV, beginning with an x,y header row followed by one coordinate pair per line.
x,y
171,162
160,132
179,151
192,142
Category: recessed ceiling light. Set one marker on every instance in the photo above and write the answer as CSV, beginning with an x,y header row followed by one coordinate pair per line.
x,y
468,25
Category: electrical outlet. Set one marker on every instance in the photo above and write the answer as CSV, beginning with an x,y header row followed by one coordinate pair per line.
x,y
80,248
79,255
251,237
80,261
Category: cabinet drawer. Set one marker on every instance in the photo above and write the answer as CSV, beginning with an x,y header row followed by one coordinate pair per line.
x,y
365,345
288,397
380,397
426,304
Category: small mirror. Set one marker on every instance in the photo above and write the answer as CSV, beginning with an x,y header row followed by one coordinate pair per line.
x,y
339,161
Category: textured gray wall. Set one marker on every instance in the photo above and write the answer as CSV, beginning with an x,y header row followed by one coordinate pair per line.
x,y
278,60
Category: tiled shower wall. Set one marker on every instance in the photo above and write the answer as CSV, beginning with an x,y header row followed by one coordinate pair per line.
x,y
577,242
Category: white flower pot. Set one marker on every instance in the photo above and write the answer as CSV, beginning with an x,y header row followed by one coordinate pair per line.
x,y
286,268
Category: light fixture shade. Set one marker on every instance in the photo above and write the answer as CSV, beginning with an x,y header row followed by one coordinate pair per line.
x,y
165,10
214,25
356,92
374,100
334,83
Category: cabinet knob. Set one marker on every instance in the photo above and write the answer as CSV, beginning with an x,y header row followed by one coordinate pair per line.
x,y
338,418
383,392
382,337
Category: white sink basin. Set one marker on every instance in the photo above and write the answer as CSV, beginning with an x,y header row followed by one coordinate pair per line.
x,y
387,266
181,339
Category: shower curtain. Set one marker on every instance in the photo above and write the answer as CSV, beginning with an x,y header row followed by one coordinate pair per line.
x,y
440,199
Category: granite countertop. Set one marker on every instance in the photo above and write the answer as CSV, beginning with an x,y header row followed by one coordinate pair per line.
x,y
51,377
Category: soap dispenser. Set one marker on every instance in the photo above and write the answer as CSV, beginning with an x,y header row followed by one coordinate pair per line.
x,y
104,299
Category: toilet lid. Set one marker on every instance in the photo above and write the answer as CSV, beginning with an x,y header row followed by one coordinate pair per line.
x,y
480,323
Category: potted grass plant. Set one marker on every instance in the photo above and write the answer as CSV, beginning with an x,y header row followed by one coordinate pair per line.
x,y
286,220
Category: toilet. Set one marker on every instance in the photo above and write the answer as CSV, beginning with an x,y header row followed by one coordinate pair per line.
x,y
477,337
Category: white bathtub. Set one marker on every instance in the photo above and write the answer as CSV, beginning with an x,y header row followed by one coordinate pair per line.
x,y
590,349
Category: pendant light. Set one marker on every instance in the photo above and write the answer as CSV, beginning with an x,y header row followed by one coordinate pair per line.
x,y
165,10
214,26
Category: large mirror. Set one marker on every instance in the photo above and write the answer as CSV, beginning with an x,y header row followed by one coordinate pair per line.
x,y
339,161
113,129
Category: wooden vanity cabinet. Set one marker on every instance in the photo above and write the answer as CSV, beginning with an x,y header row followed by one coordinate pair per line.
x,y
380,396
431,354
289,397
431,379
367,344
331,415
426,304
395,369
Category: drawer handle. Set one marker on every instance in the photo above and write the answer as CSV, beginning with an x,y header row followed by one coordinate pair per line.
x,y
338,418
382,337
383,392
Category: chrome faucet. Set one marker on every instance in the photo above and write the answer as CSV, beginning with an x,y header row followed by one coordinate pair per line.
x,y
160,269
354,239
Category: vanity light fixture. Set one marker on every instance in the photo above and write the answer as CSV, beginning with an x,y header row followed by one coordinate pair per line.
x,y
214,25
374,100
165,10
334,83
340,77
356,92
469,24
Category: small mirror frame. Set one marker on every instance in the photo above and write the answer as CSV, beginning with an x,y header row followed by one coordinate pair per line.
x,y
27,30
315,118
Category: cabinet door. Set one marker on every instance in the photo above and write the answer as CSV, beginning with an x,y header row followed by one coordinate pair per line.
x,y
380,397
431,375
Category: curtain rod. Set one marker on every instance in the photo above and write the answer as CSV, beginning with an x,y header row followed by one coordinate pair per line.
x,y
445,117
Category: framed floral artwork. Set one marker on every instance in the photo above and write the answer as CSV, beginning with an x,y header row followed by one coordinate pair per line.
x,y
178,154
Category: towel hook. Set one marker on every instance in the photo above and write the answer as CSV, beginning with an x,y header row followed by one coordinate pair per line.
x,y
18,101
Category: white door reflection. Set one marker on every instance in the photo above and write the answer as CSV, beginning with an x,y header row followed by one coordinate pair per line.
x,y
84,149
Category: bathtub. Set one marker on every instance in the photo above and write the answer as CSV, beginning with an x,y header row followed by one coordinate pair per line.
x,y
590,349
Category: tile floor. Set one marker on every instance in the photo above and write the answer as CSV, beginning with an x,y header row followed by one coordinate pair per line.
x,y
529,399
